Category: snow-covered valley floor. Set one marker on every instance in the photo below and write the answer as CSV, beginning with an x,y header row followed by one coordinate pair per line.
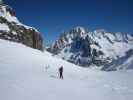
x,y
24,76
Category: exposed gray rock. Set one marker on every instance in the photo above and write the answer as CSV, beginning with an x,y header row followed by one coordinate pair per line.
x,y
18,32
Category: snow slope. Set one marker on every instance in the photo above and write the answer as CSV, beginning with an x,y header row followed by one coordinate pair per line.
x,y
25,75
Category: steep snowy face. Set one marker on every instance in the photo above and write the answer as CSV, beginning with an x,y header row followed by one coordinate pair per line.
x,y
67,38
8,13
86,48
13,30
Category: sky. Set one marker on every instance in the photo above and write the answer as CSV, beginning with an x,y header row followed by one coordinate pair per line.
x,y
52,17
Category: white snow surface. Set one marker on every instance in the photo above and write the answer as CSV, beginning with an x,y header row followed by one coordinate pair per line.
x,y
28,74
4,27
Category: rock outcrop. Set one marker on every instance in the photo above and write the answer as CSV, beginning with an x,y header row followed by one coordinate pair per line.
x,y
11,29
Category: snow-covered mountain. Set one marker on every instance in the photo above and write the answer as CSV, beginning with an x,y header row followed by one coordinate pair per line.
x,y
29,74
100,48
12,29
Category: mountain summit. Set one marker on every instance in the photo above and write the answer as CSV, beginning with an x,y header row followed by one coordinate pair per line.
x,y
98,48
12,29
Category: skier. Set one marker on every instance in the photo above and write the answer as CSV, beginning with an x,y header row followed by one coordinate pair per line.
x,y
61,72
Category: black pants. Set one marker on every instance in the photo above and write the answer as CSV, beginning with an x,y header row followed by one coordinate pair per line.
x,y
61,75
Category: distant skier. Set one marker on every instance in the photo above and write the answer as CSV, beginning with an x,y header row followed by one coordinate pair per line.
x,y
61,72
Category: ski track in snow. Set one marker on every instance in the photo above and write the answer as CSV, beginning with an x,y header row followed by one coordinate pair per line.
x,y
24,75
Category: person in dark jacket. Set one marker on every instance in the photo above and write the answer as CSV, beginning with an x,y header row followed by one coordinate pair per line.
x,y
61,72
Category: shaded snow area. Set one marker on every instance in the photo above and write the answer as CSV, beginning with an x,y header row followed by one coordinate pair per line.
x,y
28,74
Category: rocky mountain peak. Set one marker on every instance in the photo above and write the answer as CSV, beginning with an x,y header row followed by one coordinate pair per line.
x,y
79,29
12,29
85,48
